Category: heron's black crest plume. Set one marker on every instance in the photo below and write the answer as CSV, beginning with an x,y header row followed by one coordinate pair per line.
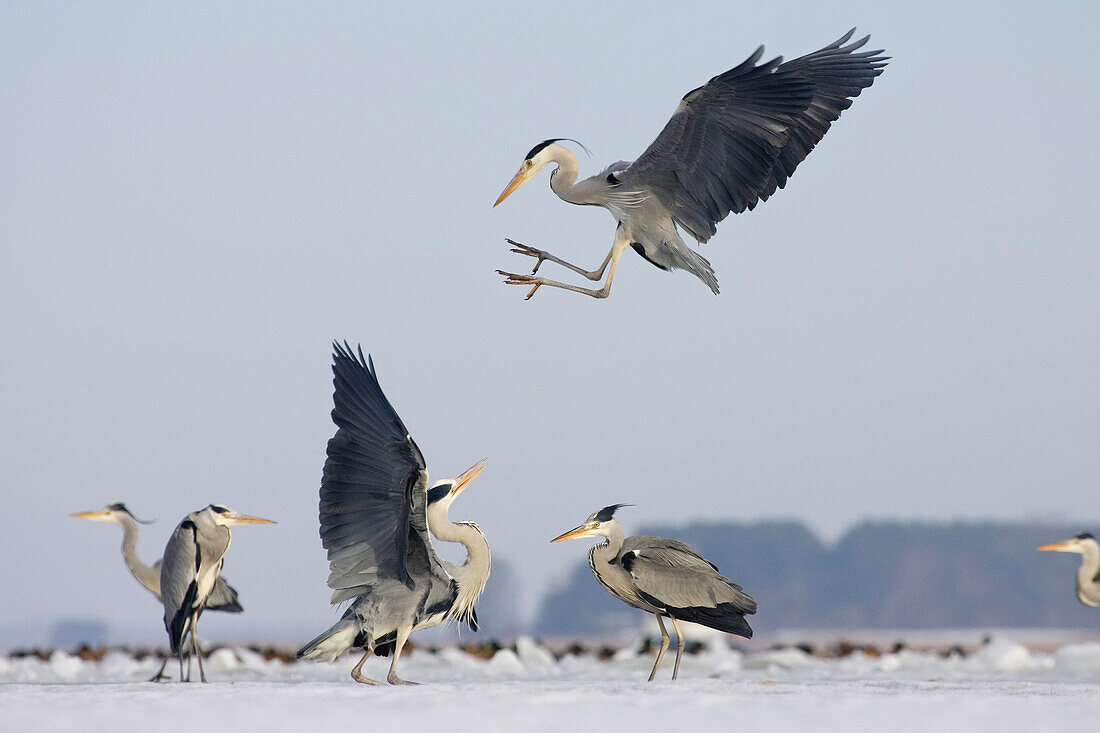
x,y
608,512
436,493
535,150
1083,536
118,506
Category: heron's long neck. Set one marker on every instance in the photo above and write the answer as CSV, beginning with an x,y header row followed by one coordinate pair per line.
x,y
605,552
472,574
145,575
564,177
1088,584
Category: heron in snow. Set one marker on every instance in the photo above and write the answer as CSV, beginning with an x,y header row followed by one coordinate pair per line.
x,y
729,145
192,561
1088,574
222,598
376,510
664,577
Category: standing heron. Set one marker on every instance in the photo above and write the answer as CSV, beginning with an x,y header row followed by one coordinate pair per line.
x,y
729,145
664,577
1088,574
192,560
375,512
222,598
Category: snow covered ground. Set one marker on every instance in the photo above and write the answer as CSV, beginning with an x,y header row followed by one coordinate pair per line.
x,y
1003,686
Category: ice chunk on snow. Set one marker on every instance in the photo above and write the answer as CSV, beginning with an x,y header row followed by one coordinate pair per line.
x,y
1003,655
532,654
1078,659
504,663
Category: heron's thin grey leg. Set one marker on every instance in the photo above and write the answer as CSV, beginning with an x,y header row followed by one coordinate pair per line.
x,y
179,655
542,256
160,672
195,647
679,646
356,672
402,636
613,256
663,649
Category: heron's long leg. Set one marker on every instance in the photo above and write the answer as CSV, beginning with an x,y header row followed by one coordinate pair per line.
x,y
613,256
663,649
679,646
160,672
356,672
402,637
179,655
195,647
542,256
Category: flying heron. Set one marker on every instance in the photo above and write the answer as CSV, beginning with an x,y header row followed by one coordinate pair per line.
x,y
729,145
1088,574
189,573
222,598
376,510
664,577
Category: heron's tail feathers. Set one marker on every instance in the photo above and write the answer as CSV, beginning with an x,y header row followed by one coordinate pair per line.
x,y
685,258
333,642
726,617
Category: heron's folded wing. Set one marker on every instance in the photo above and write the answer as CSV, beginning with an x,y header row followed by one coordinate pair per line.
x,y
224,598
679,586
373,486
736,139
178,587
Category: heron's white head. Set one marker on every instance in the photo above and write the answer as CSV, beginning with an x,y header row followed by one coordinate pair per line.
x,y
546,152
111,513
443,492
598,524
1079,544
226,517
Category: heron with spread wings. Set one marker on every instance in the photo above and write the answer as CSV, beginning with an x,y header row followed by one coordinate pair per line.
x,y
664,577
729,145
376,511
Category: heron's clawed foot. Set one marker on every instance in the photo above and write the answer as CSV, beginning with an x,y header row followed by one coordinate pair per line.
x,y
523,249
511,278
358,677
395,680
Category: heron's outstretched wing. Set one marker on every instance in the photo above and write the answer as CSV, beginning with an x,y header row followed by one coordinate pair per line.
x,y
736,139
373,492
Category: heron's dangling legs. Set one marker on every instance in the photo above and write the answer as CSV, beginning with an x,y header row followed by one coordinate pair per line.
x,y
195,648
542,256
612,259
663,649
679,646
356,672
402,636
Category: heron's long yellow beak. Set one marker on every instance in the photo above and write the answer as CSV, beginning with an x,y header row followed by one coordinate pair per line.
x,y
522,177
1056,547
245,519
97,516
575,532
468,475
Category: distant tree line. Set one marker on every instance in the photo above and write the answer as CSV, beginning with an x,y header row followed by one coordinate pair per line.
x,y
879,575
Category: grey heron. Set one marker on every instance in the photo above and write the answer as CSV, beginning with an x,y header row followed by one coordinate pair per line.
x,y
729,145
222,598
664,577
375,513
192,561
1088,573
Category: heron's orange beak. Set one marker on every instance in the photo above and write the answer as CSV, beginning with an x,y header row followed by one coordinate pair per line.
x,y
1056,547
468,476
581,531
97,516
518,180
245,519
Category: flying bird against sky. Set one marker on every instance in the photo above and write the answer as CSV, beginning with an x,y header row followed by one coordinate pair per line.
x,y
729,145
1088,573
192,561
376,510
222,598
664,577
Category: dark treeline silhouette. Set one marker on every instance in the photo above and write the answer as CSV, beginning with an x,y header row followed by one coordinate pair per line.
x,y
884,575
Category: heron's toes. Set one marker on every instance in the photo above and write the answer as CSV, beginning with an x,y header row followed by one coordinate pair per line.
x,y
395,680
364,680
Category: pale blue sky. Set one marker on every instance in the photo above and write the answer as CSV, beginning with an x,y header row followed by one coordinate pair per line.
x,y
199,198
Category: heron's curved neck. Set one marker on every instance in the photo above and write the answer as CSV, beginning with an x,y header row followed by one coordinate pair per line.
x,y
1088,575
143,573
564,177
605,552
478,559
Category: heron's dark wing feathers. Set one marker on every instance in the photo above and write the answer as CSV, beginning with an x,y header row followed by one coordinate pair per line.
x,y
224,598
732,142
670,574
373,486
